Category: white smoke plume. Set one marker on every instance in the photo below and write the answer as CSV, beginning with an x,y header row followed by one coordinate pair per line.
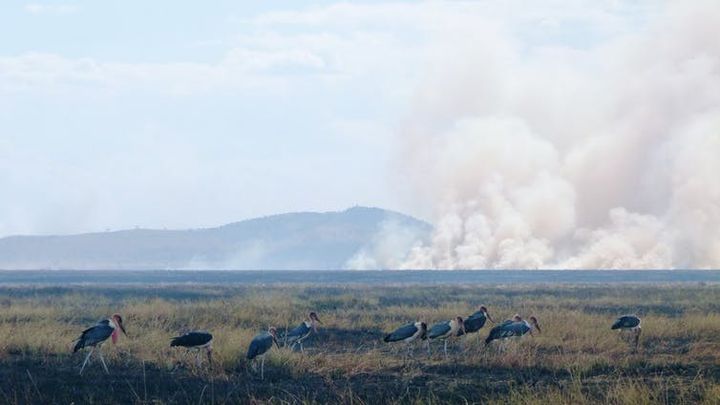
x,y
388,247
553,157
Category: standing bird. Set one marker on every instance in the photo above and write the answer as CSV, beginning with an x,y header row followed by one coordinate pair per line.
x,y
408,334
302,332
476,321
196,340
631,323
513,327
95,336
260,345
446,330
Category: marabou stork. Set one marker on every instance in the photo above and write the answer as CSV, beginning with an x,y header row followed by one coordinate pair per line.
x,y
476,321
95,336
302,332
631,323
196,340
408,334
259,347
513,327
446,330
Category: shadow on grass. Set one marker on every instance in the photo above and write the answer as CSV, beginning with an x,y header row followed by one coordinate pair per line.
x,y
27,379
30,380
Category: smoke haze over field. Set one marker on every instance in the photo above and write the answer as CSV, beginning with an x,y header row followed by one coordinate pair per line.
x,y
531,134
554,157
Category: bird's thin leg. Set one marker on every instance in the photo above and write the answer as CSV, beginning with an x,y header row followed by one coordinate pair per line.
x,y
428,347
209,355
637,338
445,348
262,367
302,350
87,358
102,360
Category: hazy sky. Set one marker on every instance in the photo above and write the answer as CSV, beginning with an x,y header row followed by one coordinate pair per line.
x,y
116,114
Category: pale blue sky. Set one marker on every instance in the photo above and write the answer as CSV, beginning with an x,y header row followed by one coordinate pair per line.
x,y
116,114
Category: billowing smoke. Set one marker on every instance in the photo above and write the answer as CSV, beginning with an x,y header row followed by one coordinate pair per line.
x,y
554,157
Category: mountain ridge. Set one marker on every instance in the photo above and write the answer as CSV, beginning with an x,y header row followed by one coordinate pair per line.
x,y
287,241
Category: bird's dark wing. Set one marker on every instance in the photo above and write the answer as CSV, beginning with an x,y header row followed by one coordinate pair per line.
x,y
495,333
298,332
92,336
507,329
473,323
192,339
517,329
626,321
401,333
439,329
633,321
260,345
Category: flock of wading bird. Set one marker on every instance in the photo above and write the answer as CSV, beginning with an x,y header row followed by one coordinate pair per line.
x,y
261,344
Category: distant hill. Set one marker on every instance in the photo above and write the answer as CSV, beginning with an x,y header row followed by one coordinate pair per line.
x,y
306,240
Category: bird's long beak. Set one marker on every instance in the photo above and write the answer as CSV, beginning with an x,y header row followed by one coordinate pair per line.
x,y
489,317
122,328
276,342
537,326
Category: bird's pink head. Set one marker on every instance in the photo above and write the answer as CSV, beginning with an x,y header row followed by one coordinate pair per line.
x,y
461,323
484,310
273,332
314,320
535,324
117,320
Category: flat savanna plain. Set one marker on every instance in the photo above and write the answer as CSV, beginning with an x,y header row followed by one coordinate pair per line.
x,y
577,358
